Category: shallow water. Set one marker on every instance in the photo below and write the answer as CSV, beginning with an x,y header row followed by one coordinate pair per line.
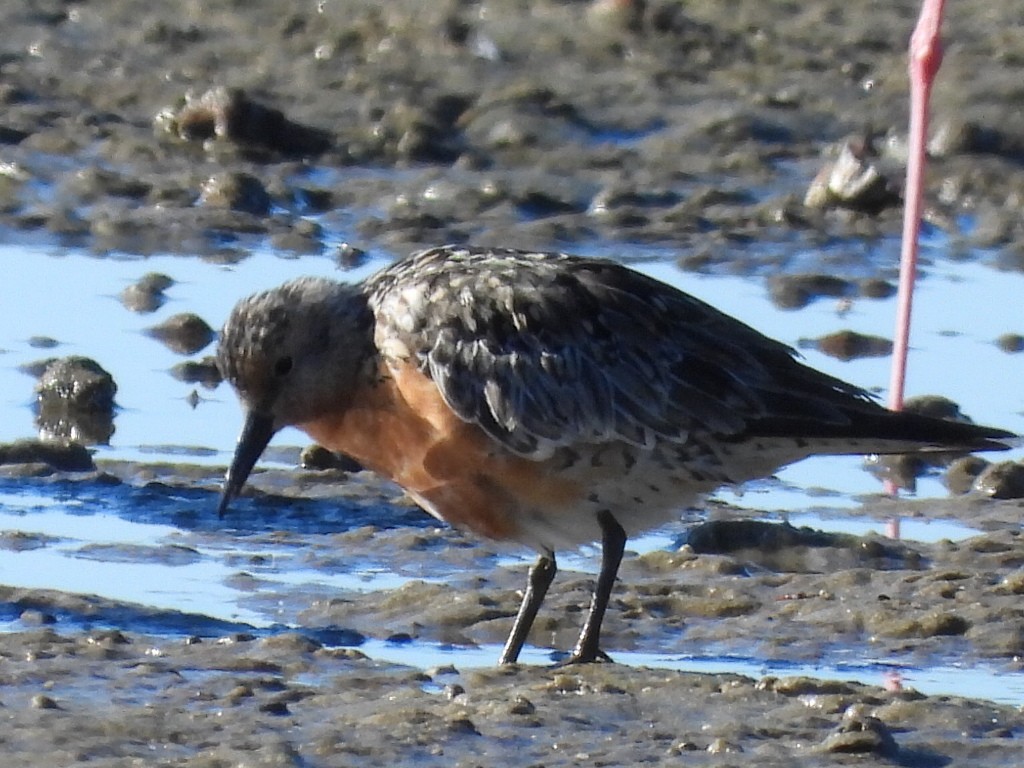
x,y
71,297
973,682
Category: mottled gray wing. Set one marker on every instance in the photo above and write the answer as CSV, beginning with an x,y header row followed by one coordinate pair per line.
x,y
548,350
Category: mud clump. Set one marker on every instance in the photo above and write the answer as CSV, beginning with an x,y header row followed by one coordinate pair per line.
x,y
185,333
65,457
797,291
1004,480
861,734
855,180
147,293
785,548
236,191
851,345
78,383
203,372
1011,343
963,473
75,401
319,458
228,114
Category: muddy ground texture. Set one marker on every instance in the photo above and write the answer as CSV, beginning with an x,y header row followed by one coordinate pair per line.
x,y
208,129
700,126
92,680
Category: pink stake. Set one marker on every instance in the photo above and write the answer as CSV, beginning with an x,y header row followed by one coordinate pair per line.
x,y
925,58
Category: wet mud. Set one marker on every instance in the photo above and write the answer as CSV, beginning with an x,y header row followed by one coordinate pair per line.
x,y
348,127
107,698
88,678
701,126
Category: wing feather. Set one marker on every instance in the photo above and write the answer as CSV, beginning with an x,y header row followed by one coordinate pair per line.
x,y
547,350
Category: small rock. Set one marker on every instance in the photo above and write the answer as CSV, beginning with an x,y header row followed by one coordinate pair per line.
x,y
184,333
43,342
900,469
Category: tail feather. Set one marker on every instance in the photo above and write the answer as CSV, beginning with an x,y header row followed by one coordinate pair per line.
x,y
877,430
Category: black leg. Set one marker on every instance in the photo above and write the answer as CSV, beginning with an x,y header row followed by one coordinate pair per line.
x,y
613,544
541,575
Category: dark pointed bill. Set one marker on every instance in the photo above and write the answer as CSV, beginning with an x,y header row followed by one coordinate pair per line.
x,y
256,433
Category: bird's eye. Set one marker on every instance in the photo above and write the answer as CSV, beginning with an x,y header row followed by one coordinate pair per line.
x,y
282,366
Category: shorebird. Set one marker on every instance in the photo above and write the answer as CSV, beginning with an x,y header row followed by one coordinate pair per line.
x,y
543,398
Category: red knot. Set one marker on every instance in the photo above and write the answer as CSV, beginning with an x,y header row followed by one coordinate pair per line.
x,y
543,398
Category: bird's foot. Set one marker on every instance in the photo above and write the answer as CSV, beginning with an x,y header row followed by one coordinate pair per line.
x,y
581,657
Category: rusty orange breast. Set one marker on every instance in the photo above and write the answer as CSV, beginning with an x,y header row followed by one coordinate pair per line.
x,y
400,427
